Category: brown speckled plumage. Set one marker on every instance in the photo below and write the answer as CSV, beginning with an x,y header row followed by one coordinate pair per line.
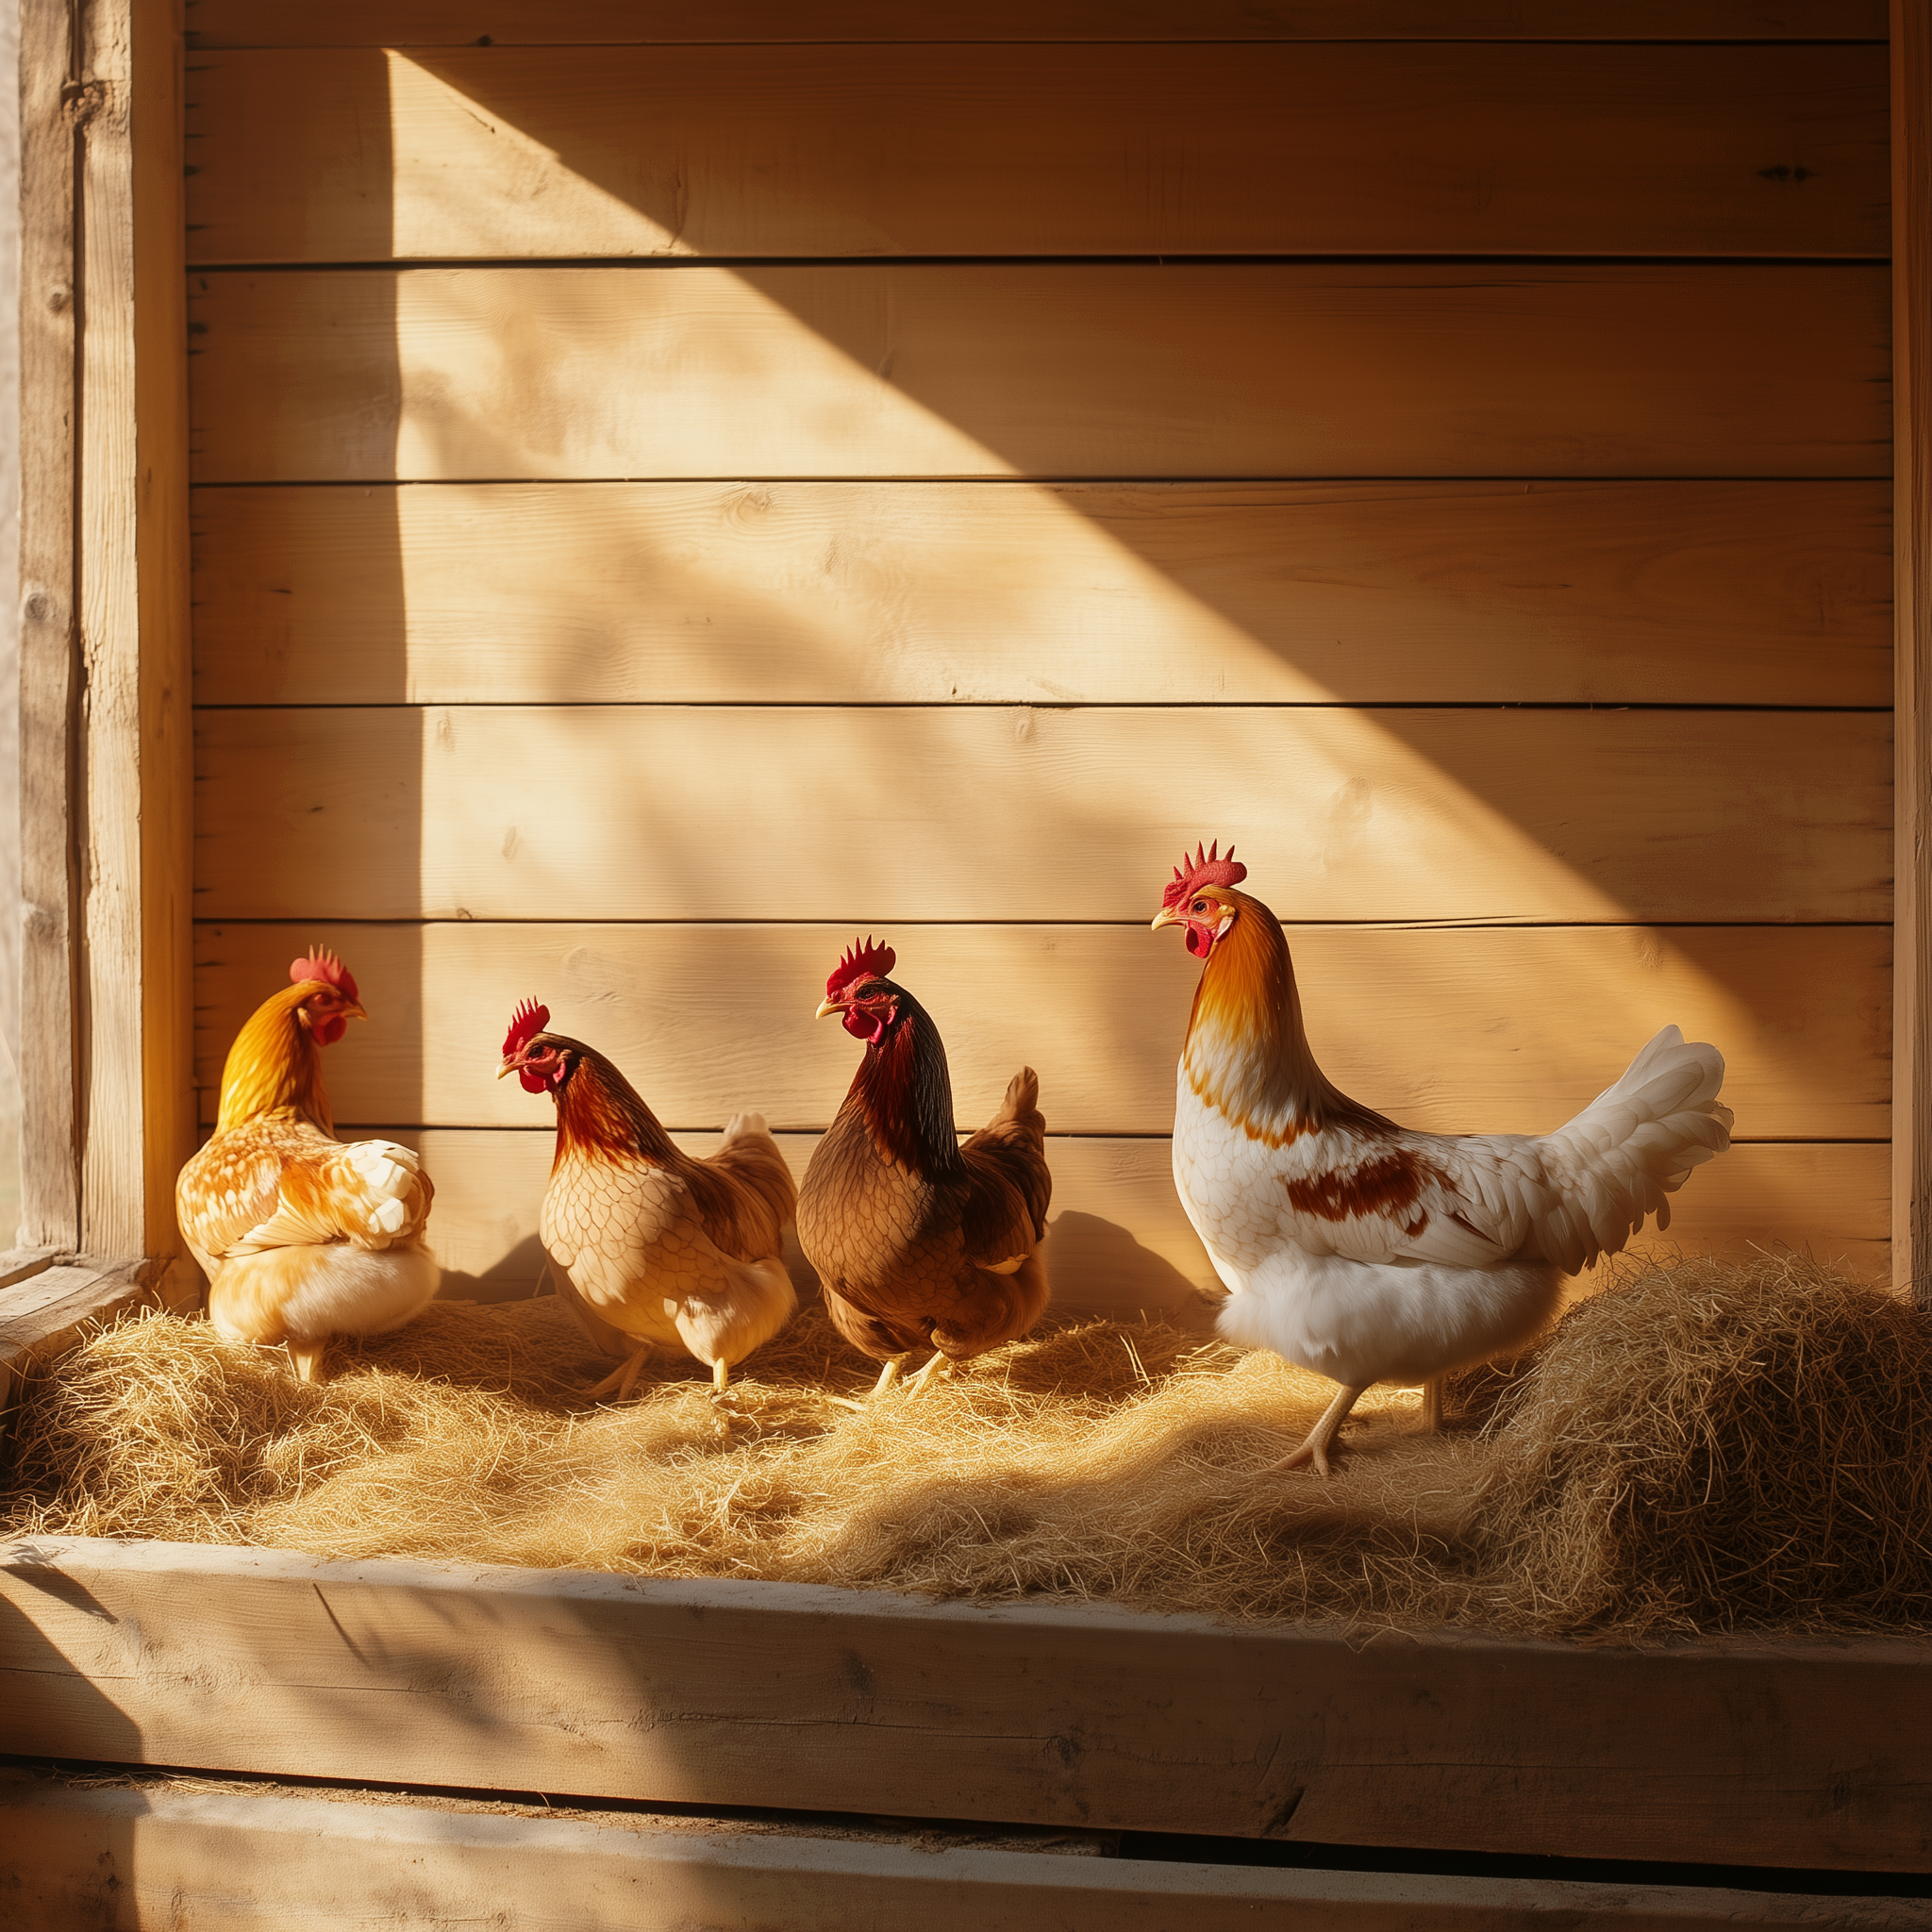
x,y
920,1242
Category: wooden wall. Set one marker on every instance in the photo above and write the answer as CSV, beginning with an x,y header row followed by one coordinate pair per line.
x,y
663,508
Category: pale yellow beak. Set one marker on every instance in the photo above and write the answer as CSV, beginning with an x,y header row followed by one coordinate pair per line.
x,y
1168,915
355,1013
507,1067
825,1006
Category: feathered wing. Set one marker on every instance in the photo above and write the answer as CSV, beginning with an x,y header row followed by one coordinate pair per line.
x,y
288,1184
750,1220
1008,1186
1567,1197
632,1238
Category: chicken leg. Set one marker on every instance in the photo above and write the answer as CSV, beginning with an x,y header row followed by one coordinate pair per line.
x,y
1320,1437
620,1381
307,1356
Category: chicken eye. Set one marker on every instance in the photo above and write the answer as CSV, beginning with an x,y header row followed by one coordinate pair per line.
x,y
1199,906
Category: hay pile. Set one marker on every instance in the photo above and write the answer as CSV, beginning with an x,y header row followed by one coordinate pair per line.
x,y
1699,1447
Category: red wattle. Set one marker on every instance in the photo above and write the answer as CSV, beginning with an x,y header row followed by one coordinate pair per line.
x,y
1200,941
533,1082
865,1027
330,1031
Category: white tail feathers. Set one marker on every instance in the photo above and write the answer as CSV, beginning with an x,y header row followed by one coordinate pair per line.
x,y
1631,1148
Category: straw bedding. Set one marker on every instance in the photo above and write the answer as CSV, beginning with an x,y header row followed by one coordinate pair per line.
x,y
1698,1447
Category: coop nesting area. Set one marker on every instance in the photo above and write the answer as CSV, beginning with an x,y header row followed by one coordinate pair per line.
x,y
1698,1447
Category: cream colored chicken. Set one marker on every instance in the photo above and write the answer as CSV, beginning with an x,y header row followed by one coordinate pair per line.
x,y
302,1236
651,1247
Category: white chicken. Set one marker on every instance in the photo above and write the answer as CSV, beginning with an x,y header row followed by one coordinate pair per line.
x,y
1361,1250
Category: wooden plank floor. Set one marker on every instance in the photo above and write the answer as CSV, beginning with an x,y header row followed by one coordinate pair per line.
x,y
1760,1750
136,1859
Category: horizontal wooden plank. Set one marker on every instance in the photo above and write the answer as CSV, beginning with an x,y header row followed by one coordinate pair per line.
x,y
1773,1751
235,1862
1119,1240
496,152
1039,369
874,815
1500,1030
522,22
1672,592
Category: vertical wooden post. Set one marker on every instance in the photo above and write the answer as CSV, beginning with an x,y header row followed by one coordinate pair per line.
x,y
1911,362
53,112
106,778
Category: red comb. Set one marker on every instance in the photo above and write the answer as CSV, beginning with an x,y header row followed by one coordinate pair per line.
x,y
525,1024
322,964
1204,869
859,963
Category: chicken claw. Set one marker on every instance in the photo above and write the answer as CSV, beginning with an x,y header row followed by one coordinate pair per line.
x,y
937,1369
1321,1438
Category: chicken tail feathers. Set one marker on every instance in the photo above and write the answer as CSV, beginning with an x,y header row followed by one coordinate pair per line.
x,y
1632,1147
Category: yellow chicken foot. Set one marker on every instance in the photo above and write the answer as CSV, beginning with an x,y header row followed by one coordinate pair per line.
x,y
307,1356
1315,1449
888,1375
937,1369
721,1377
620,1381
1432,1404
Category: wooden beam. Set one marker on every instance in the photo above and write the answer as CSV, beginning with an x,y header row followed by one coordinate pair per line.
x,y
106,774
1911,308
660,813
129,1857
1042,370
55,107
601,22
43,1307
1773,1751
500,153
1671,592
1120,1240
1508,1030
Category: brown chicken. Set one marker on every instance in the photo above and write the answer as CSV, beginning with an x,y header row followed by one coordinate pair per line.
x,y
920,1242
301,1236
647,1243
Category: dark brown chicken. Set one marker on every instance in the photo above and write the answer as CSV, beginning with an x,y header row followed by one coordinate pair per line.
x,y
922,1242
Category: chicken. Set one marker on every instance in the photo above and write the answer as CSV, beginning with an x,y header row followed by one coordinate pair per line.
x,y
1364,1251
648,1244
301,1236
920,1242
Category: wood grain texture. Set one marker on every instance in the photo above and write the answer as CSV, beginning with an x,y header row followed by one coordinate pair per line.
x,y
49,637
1911,1177
1765,1751
864,816
1506,1030
1118,1239
257,1862
1675,592
522,22
166,741
1041,369
500,153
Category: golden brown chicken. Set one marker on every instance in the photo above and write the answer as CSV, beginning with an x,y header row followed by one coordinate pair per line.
x,y
302,1236
920,1242
648,1244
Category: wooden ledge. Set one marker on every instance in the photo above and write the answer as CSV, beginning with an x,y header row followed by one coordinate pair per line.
x,y
137,1857
1767,1751
45,1296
